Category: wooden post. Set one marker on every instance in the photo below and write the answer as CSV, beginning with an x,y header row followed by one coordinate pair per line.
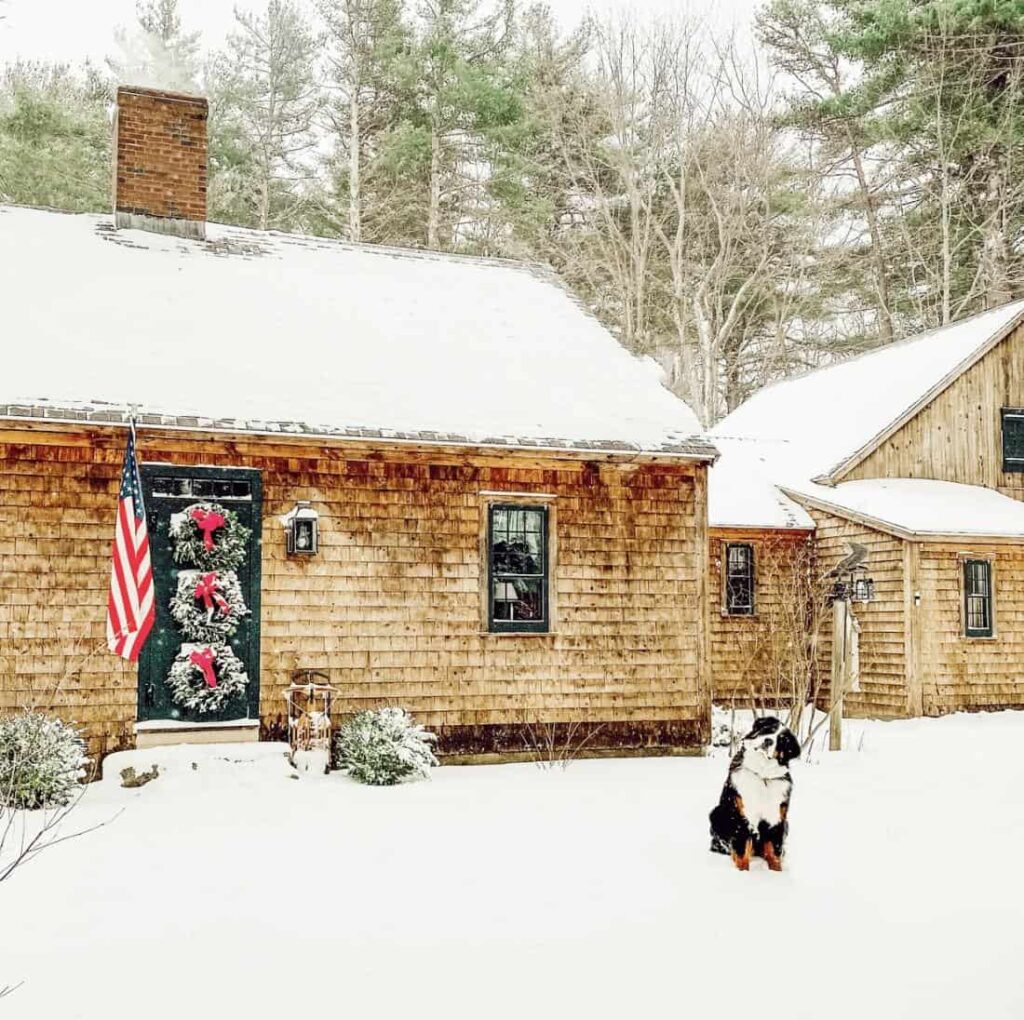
x,y
840,608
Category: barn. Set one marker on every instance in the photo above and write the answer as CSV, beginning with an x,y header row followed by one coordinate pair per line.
x,y
504,512
911,457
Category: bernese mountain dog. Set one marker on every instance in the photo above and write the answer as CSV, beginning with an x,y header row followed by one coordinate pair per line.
x,y
750,819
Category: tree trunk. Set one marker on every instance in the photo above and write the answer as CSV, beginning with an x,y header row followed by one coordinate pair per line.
x,y
994,255
434,211
885,329
263,202
355,216
947,253
708,367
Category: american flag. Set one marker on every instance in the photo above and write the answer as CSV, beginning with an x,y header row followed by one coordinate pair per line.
x,y
130,609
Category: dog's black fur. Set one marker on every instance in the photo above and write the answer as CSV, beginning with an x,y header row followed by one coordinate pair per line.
x,y
751,816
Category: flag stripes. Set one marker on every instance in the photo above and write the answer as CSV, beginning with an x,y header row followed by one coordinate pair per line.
x,y
130,607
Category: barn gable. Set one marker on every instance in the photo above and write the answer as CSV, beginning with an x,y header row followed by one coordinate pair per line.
x,y
958,435
822,425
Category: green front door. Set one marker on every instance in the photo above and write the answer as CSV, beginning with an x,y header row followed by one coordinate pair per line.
x,y
168,490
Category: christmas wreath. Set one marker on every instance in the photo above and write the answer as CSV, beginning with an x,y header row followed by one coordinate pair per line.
x,y
204,678
208,605
208,537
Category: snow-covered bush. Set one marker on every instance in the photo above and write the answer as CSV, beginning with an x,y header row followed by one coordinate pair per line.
x,y
41,761
383,747
723,727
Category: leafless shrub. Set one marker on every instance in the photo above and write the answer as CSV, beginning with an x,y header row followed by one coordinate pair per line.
x,y
783,671
554,745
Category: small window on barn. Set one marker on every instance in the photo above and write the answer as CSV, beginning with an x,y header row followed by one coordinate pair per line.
x,y
977,598
739,579
1013,439
518,561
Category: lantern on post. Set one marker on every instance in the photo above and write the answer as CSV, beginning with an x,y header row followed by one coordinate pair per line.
x,y
302,528
851,585
862,588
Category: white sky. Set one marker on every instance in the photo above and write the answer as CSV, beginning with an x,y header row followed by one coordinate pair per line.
x,y
73,29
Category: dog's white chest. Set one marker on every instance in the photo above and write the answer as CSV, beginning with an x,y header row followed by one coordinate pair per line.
x,y
762,798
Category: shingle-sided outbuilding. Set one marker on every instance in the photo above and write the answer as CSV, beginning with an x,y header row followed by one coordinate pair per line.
x,y
911,455
512,509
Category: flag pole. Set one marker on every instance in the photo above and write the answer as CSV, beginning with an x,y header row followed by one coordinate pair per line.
x,y
133,417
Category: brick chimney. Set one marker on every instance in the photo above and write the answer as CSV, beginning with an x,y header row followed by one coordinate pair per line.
x,y
160,162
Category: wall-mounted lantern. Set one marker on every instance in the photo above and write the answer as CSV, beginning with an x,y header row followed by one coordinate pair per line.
x,y
302,527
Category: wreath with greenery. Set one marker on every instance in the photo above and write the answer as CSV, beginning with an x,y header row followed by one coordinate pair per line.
x,y
192,671
208,606
208,537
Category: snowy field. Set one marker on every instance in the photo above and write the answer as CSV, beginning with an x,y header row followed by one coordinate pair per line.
x,y
231,889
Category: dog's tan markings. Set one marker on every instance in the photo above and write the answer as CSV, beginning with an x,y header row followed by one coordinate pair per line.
x,y
743,861
783,811
772,859
739,804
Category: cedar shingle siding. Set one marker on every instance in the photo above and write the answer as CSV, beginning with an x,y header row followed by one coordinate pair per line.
x,y
391,608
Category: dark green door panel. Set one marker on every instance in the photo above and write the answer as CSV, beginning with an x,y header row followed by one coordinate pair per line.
x,y
169,489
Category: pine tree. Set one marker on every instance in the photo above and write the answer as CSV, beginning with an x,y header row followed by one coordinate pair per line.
x,y
802,38
535,193
465,98
368,47
945,80
268,100
54,137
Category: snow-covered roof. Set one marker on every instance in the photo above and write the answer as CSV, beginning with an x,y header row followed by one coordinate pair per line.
x,y
278,333
741,493
806,430
817,423
920,507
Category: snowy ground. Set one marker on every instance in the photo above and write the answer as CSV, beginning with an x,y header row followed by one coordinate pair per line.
x,y
233,890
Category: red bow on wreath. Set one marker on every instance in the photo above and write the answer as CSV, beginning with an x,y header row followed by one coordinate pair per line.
x,y
208,589
208,521
204,660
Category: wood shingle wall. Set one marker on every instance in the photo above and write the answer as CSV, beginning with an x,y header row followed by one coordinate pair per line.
x,y
883,641
743,667
391,606
969,673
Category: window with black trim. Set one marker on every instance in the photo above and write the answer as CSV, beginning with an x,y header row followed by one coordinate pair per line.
x,y
517,547
739,579
977,598
1013,438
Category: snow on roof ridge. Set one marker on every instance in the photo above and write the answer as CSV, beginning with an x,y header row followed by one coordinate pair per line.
x,y
882,349
394,250
370,247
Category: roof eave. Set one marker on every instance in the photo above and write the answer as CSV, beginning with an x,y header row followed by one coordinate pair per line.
x,y
789,529
58,419
889,528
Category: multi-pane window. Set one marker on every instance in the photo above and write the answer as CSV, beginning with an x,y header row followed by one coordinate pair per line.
x,y
1013,439
188,486
518,556
739,579
977,598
